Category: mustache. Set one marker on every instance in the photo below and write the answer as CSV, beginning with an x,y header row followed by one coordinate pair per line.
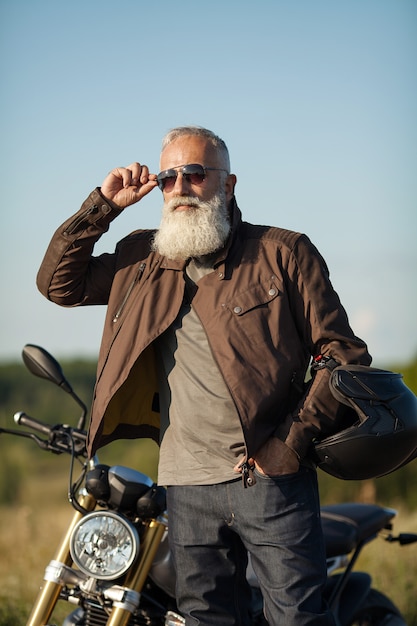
x,y
191,201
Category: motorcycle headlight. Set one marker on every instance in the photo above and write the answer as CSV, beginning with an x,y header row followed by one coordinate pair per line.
x,y
104,544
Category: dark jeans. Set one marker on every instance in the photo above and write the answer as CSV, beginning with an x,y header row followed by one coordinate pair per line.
x,y
277,521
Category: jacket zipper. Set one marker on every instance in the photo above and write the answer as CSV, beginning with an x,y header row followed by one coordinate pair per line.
x,y
137,277
79,220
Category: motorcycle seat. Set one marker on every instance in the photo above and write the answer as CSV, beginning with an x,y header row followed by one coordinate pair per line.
x,y
346,525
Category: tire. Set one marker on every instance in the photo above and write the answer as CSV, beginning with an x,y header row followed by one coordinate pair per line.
x,y
377,610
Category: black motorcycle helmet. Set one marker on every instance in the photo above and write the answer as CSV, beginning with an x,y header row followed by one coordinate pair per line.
x,y
382,431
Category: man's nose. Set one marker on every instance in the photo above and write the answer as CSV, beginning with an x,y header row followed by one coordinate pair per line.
x,y
181,185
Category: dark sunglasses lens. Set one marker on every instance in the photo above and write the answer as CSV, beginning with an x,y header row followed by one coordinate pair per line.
x,y
166,180
195,174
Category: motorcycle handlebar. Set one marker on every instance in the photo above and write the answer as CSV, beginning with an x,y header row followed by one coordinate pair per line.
x,y
22,419
60,438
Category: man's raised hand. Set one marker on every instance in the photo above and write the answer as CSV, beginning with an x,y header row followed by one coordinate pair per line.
x,y
127,185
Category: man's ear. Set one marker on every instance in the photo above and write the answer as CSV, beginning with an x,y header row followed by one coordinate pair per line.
x,y
230,186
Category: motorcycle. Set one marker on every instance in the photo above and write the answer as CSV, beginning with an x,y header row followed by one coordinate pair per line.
x,y
113,565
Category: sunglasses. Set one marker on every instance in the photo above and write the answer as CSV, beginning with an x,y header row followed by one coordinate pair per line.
x,y
193,173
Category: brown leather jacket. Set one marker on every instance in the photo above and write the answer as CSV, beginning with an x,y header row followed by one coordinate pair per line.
x,y
267,308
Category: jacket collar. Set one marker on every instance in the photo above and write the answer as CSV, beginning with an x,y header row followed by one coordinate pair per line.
x,y
236,221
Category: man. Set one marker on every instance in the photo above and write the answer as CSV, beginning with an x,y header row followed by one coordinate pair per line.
x,y
211,325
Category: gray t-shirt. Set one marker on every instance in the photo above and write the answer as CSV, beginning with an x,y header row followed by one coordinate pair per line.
x,y
201,433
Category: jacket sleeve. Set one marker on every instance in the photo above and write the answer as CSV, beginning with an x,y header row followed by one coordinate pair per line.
x,y
69,275
324,328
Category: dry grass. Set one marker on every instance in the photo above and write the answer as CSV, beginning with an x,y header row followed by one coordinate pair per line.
x,y
28,538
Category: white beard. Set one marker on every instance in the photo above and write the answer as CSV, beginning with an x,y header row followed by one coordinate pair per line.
x,y
194,232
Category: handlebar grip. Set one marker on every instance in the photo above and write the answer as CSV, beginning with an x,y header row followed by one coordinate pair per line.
x,y
22,419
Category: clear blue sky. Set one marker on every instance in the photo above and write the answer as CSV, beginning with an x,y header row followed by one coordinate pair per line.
x,y
316,99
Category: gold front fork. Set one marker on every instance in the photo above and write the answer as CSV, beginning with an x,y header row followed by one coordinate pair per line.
x,y
136,576
49,593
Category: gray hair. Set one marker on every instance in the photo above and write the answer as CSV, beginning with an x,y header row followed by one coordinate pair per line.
x,y
198,131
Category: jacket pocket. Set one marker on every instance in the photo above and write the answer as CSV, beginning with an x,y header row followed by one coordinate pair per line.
x,y
251,309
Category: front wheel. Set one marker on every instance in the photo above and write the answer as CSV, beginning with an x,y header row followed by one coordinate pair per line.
x,y
377,610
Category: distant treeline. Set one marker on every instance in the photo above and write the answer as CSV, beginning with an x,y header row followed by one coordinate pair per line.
x,y
21,391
